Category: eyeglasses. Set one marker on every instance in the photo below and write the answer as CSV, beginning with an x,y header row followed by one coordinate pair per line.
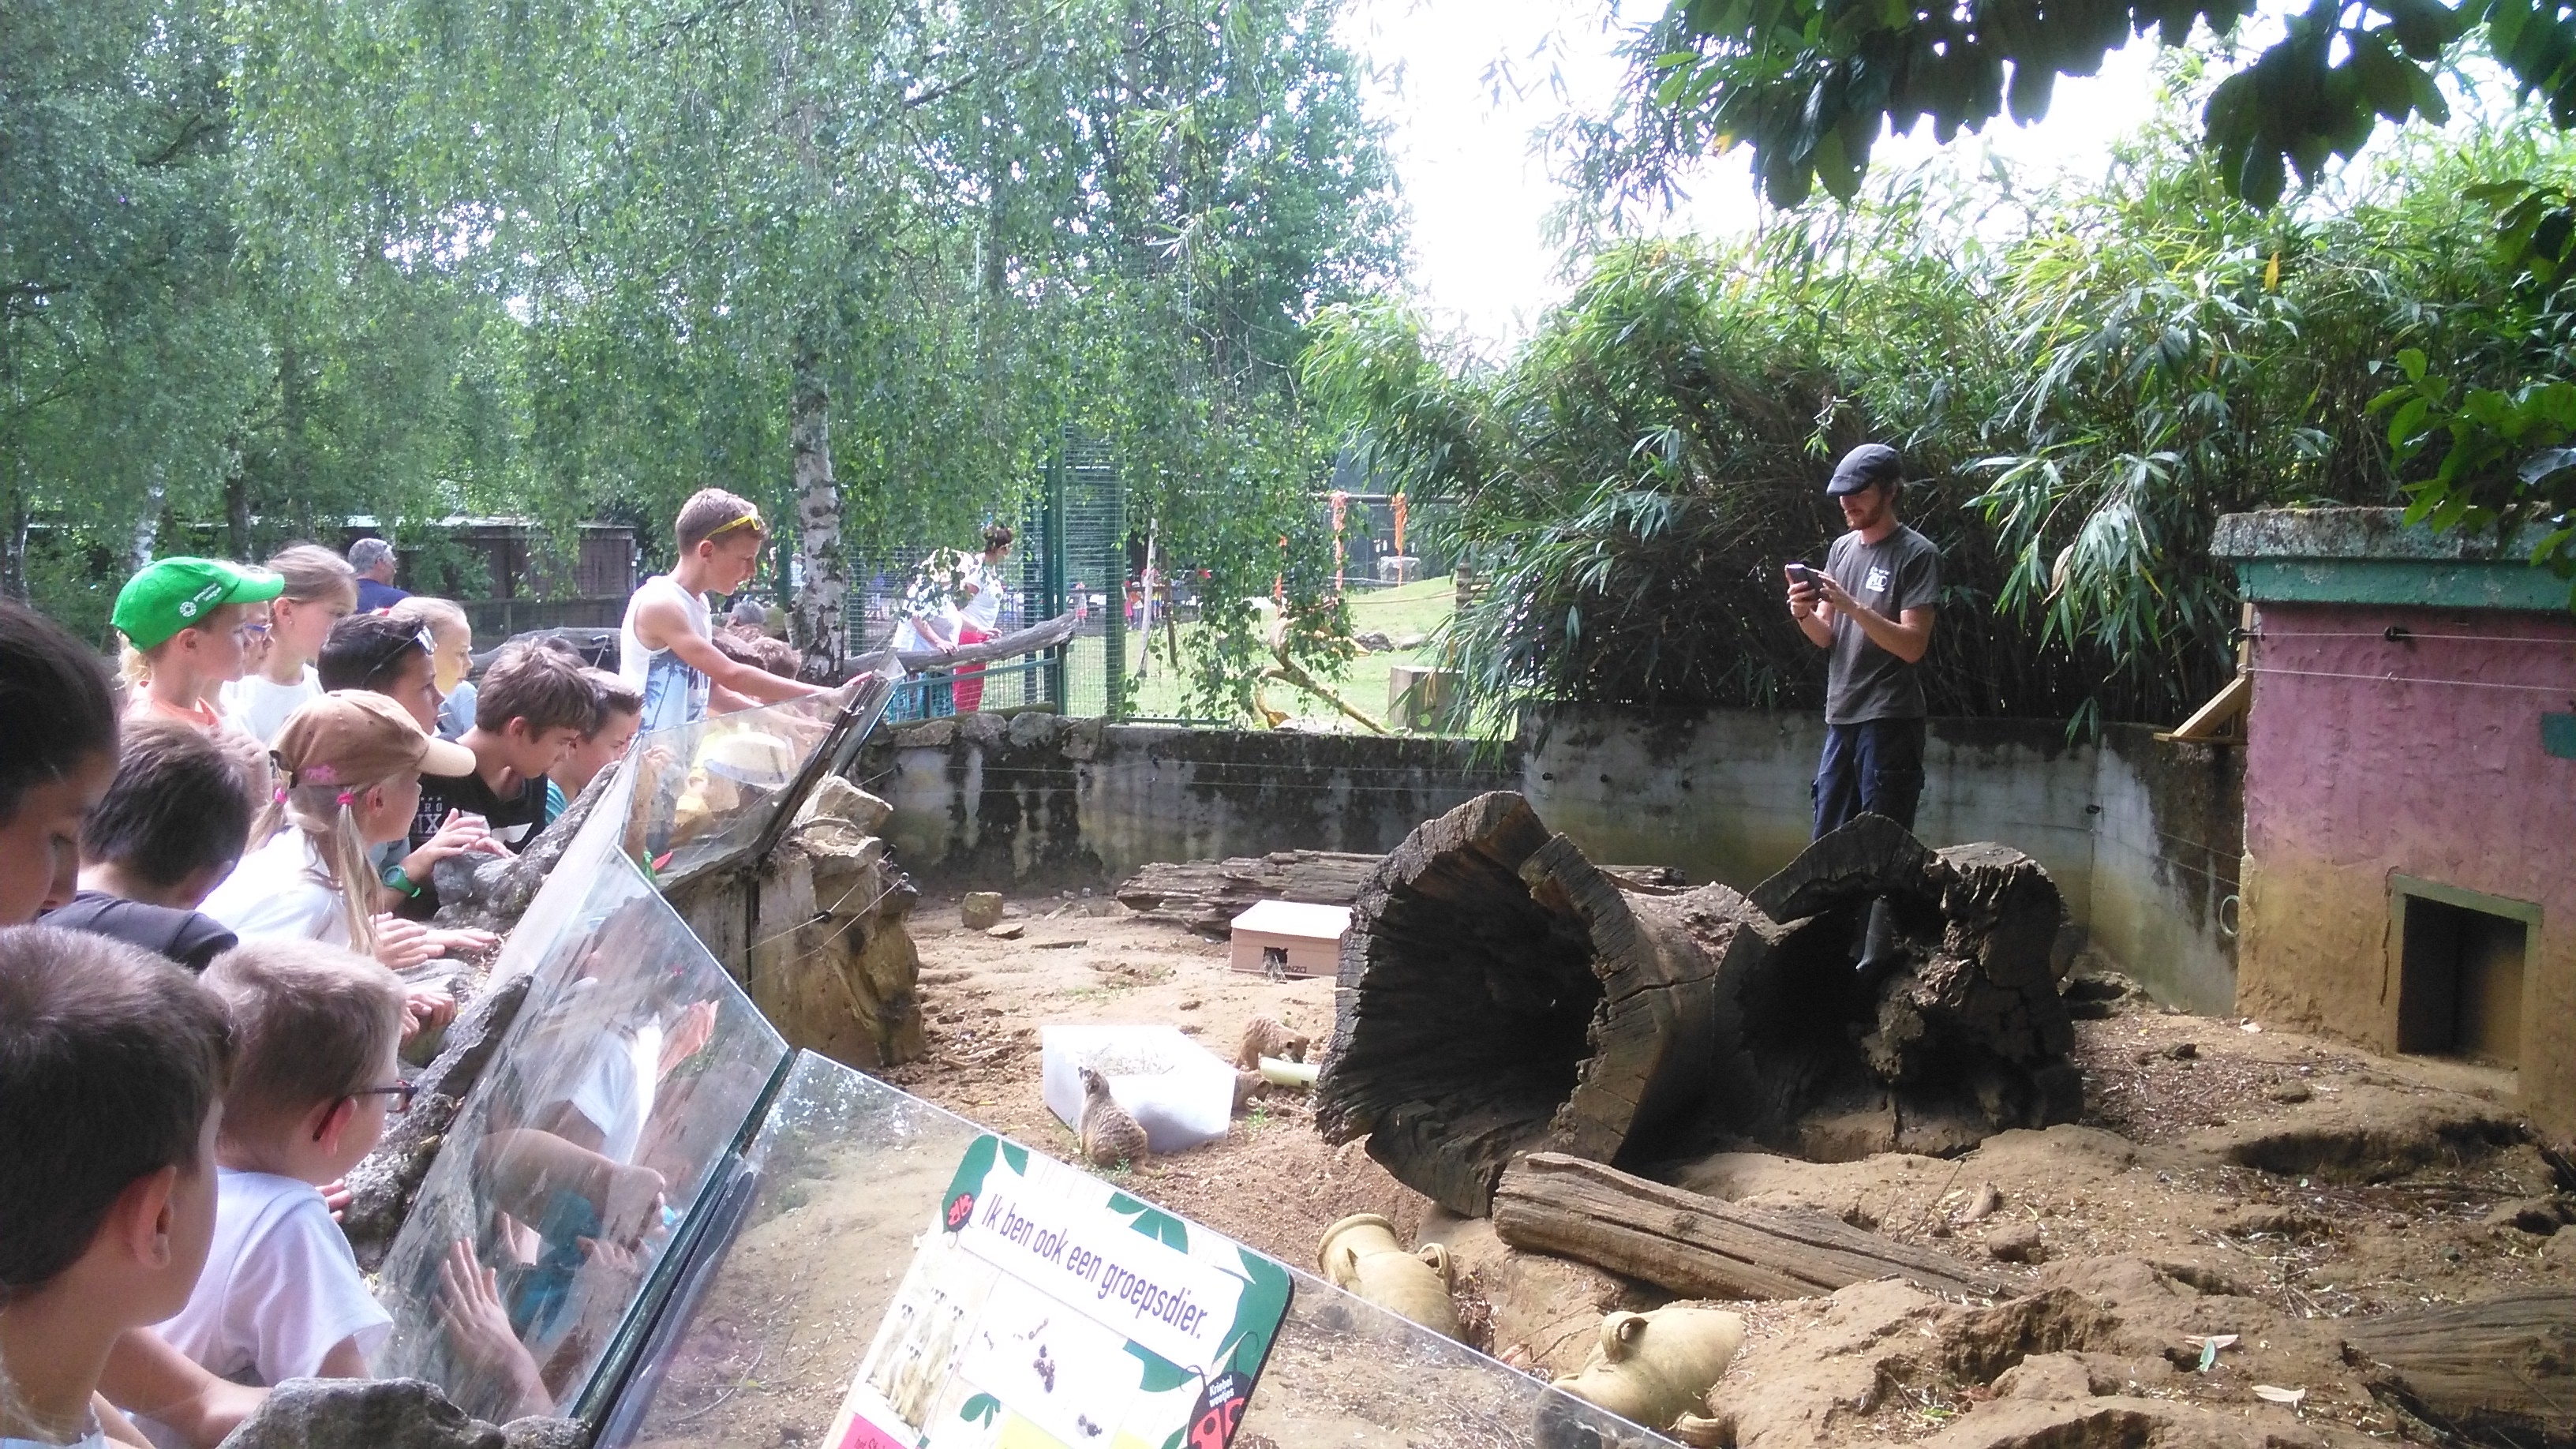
x,y
246,632
401,1092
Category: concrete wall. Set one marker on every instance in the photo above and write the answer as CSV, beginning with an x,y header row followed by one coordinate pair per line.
x,y
2142,837
2370,758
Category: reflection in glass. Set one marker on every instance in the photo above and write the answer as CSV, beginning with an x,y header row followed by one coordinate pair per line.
x,y
620,1090
850,1174
704,791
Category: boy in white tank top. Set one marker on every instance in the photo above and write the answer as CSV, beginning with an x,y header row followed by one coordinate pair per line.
x,y
665,646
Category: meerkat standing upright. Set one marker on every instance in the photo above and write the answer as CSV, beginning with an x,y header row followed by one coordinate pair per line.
x,y
1109,1135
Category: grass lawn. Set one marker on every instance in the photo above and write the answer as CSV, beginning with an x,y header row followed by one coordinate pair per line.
x,y
1415,608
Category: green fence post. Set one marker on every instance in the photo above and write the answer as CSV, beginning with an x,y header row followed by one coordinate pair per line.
x,y
1052,579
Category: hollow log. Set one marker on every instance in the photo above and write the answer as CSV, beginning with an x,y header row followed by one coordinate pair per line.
x,y
1702,1247
1499,994
2500,1370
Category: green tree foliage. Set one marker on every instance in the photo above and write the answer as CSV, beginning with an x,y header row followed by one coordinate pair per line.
x,y
2083,382
864,261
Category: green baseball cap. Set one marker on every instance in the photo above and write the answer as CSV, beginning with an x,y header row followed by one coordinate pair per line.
x,y
172,594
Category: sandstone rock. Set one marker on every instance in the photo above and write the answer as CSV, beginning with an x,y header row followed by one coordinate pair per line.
x,y
2016,1243
1034,728
836,798
376,1413
534,1432
929,734
2046,1376
984,730
1009,931
980,910
1081,739
2293,1091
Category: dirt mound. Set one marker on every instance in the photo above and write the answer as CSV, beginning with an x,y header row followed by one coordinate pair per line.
x,y
2367,1134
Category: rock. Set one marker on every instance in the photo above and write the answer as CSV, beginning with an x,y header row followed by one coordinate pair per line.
x,y
837,799
980,910
1373,641
984,730
2046,1376
2016,1243
929,734
1008,931
2120,1423
2292,1091
1035,728
2182,1051
382,1185
1081,739
376,1413
535,1432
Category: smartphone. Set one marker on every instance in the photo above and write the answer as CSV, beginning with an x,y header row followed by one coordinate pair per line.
x,y
1805,575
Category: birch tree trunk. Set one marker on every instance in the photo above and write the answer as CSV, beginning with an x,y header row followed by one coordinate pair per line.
x,y
816,622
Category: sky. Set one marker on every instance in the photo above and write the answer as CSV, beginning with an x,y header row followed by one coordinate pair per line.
x,y
1480,196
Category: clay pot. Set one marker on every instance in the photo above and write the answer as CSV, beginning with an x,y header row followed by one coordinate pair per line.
x,y
1361,1255
1654,1368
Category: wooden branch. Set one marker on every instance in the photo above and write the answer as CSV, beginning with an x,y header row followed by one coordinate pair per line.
x,y
2208,723
1206,895
2502,1370
1702,1247
1006,646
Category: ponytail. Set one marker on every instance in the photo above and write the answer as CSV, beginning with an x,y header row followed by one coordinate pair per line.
x,y
328,816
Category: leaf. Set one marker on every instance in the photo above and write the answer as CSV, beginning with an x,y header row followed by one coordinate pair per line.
x,y
1160,1375
980,1409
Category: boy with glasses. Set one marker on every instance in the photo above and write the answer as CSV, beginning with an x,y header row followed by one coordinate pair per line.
x,y
314,1078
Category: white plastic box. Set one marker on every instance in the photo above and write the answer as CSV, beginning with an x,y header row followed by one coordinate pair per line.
x,y
1177,1090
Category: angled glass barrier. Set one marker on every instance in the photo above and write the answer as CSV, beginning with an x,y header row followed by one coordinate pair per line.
x,y
845,1180
614,1104
712,791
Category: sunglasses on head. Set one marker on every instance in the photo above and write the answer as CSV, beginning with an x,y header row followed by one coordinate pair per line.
x,y
393,652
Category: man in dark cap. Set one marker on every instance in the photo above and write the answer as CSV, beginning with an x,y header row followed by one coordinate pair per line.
x,y
1872,607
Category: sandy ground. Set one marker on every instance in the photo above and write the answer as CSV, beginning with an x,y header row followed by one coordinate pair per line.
x,y
2148,1189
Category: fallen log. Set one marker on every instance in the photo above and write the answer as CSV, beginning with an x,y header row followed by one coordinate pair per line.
x,y
2500,1370
1499,994
1206,895
1703,1247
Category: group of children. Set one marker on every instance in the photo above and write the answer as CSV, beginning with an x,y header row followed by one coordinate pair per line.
x,y
226,868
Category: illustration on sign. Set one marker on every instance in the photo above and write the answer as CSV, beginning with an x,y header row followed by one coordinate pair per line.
x,y
1045,1309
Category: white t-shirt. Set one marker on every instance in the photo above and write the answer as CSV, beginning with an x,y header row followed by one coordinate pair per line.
x,y
281,890
280,1288
259,708
92,1437
983,612
616,1087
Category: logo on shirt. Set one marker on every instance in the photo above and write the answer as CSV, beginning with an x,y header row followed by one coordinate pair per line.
x,y
1877,579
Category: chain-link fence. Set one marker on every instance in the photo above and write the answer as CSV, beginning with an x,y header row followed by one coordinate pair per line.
x,y
1070,556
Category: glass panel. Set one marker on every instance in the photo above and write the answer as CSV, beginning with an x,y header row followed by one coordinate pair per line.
x,y
705,791
850,1173
624,1085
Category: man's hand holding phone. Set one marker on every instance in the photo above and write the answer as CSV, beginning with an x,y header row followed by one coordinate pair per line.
x,y
1806,590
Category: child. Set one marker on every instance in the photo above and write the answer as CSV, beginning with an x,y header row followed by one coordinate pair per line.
x,y
314,1076
188,618
666,646
387,656
350,767
621,713
452,636
536,704
169,829
111,1063
319,590
57,755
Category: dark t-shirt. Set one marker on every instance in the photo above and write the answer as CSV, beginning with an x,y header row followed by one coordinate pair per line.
x,y
1899,572
191,939
515,819
373,595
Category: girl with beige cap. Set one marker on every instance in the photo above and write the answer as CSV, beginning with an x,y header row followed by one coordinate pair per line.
x,y
348,769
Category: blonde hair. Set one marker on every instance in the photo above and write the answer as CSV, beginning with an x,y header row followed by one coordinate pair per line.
x,y
313,572
432,614
328,816
311,1024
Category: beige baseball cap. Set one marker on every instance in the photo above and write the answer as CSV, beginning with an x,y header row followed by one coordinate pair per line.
x,y
351,737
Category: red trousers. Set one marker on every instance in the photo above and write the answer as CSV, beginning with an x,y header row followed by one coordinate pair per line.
x,y
970,677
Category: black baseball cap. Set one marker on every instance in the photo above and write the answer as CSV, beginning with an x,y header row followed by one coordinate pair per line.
x,y
1866,466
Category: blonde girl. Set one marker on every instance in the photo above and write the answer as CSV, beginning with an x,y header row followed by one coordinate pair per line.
x,y
321,590
348,768
453,659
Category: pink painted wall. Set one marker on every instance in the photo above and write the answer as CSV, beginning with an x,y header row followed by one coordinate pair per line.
x,y
2367,758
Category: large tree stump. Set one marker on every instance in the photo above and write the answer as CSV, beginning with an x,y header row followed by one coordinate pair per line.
x,y
1700,1247
1499,994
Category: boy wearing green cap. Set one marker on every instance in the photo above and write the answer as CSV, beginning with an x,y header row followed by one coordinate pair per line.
x,y
188,618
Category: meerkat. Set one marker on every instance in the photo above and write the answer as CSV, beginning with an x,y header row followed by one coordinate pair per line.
x,y
1109,1135
1263,1036
1246,1085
